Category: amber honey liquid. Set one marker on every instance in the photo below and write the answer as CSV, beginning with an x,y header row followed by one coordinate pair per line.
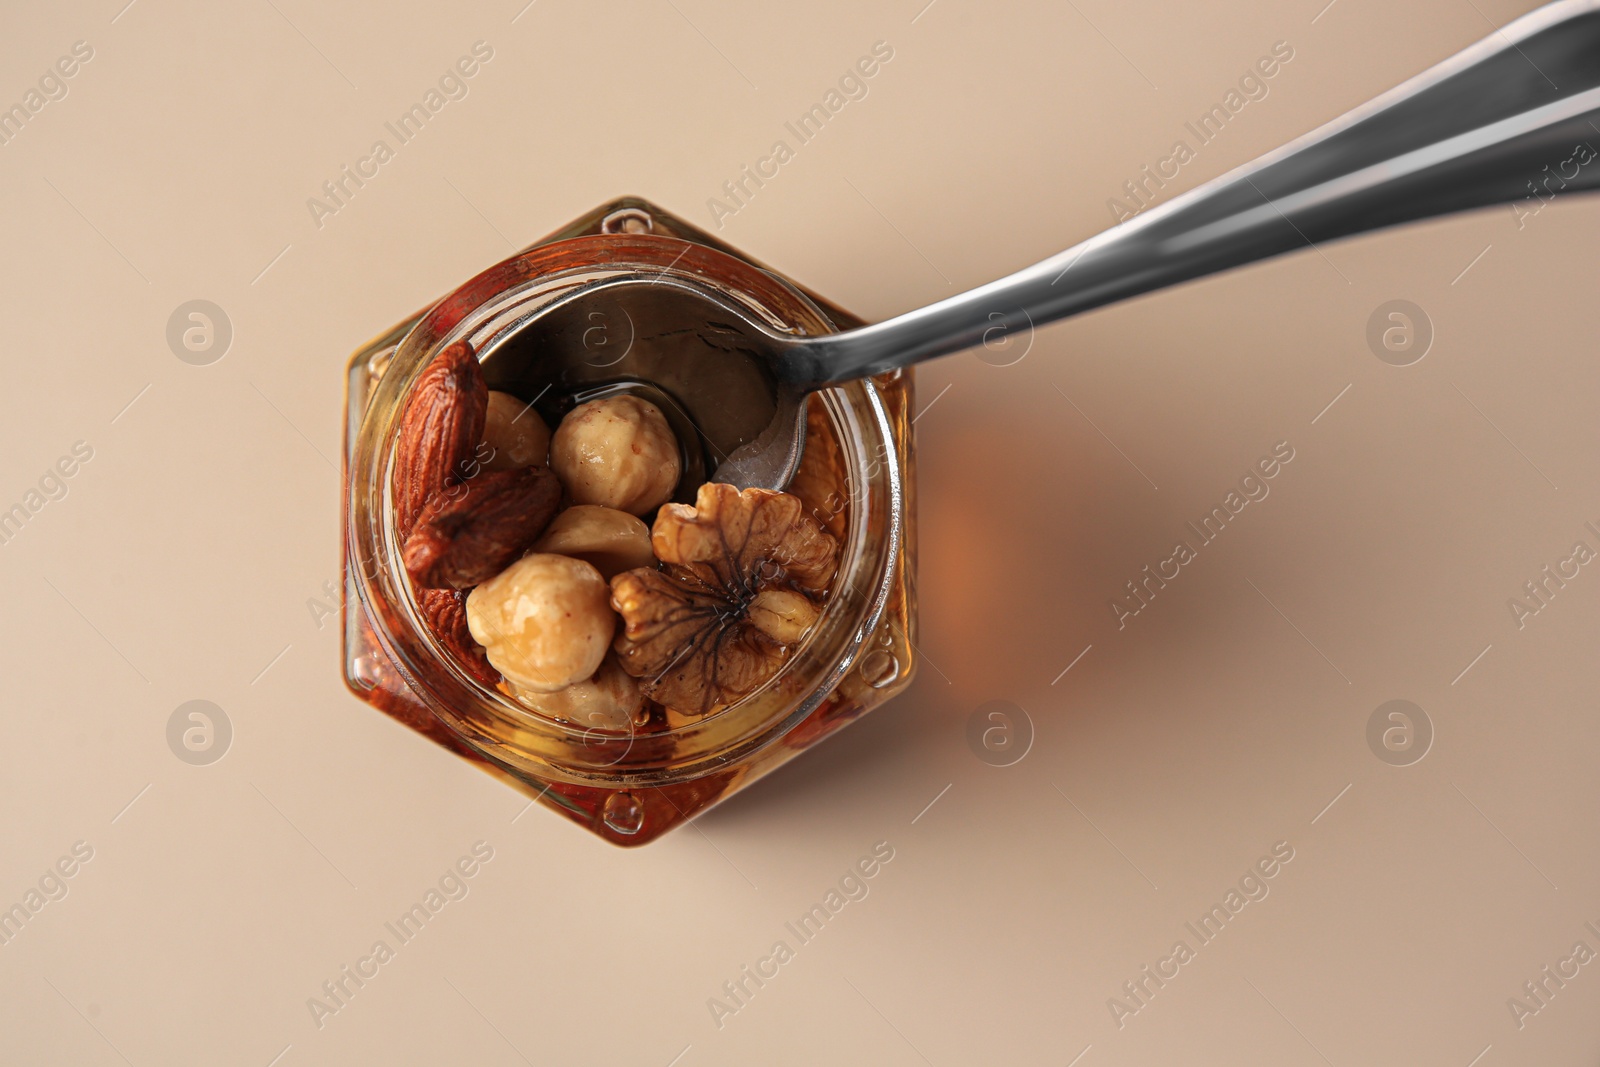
x,y
630,814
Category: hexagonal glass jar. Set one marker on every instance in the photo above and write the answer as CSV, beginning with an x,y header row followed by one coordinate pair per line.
x,y
856,479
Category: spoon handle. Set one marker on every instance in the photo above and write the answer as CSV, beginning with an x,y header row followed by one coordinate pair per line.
x,y
1515,117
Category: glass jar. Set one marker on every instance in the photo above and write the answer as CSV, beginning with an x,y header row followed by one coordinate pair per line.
x,y
632,785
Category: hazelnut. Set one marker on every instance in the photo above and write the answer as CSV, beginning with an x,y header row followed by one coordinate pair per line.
x,y
782,614
618,452
544,622
608,701
613,541
516,434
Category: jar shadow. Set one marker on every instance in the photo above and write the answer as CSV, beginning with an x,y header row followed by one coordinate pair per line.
x,y
1022,522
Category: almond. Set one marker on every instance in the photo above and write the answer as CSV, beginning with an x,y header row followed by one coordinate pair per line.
x,y
470,532
439,432
446,613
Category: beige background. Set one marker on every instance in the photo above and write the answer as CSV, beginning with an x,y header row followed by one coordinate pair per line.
x,y
1223,719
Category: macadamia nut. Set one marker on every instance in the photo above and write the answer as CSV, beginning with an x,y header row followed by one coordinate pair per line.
x,y
515,432
608,701
545,622
617,452
613,541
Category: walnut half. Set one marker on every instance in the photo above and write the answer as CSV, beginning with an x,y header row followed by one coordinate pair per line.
x,y
744,579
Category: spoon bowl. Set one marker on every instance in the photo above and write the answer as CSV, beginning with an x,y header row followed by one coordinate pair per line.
x,y
700,359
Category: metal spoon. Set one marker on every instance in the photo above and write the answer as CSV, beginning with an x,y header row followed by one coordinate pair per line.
x,y
1516,116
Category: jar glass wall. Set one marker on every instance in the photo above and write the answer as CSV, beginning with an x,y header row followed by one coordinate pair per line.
x,y
856,480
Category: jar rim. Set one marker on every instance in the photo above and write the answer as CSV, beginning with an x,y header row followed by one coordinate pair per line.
x,y
493,724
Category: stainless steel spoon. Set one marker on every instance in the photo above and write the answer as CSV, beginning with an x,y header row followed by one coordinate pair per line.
x,y
1516,116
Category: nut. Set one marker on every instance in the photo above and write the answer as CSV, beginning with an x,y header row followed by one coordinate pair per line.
x,y
740,542
782,614
608,701
744,580
515,434
618,452
446,614
613,541
442,425
544,622
471,531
